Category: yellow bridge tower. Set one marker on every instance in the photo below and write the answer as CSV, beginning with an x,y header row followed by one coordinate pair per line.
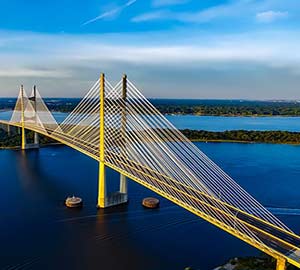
x,y
120,197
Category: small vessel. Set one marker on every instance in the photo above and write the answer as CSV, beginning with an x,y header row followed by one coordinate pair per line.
x,y
73,202
150,202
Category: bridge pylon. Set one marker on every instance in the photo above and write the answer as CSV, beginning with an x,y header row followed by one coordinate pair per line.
x,y
35,134
24,105
120,197
102,176
23,134
123,179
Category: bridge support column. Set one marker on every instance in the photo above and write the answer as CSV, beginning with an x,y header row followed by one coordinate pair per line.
x,y
119,197
36,139
280,264
123,184
123,179
23,134
102,178
36,135
8,130
102,186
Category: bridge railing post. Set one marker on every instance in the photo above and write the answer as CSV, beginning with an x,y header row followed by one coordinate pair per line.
x,y
23,134
102,178
123,179
280,264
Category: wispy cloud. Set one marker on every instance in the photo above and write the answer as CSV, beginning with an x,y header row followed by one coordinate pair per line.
x,y
161,3
152,16
110,13
75,60
262,10
59,50
34,73
232,9
271,16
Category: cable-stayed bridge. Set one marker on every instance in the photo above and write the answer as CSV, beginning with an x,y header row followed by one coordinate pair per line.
x,y
118,127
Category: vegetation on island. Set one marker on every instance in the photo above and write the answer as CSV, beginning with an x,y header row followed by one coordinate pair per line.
x,y
13,139
234,108
283,137
264,262
194,107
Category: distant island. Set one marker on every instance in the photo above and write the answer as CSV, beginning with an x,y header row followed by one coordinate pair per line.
x,y
189,106
13,140
228,108
262,262
245,136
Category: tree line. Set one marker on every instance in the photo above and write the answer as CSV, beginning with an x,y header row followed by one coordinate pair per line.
x,y
284,137
194,107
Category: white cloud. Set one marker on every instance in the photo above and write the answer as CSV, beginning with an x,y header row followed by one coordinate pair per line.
x,y
35,73
76,60
151,16
271,16
232,9
60,51
110,13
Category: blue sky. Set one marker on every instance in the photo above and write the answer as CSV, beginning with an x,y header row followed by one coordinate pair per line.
x,y
169,48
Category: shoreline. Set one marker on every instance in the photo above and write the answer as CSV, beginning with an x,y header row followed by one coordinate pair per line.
x,y
195,114
245,142
196,140
230,115
19,148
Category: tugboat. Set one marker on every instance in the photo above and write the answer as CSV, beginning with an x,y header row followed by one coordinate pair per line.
x,y
73,202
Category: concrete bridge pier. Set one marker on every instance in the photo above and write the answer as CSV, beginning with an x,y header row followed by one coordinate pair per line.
x,y
123,184
8,130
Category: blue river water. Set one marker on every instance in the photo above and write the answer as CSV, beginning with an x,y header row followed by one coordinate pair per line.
x,y
38,232
215,123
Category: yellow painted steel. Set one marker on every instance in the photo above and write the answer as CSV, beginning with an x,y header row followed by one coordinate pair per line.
x,y
280,264
23,135
101,181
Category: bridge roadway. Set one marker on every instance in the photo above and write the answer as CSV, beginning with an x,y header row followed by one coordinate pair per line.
x,y
273,240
